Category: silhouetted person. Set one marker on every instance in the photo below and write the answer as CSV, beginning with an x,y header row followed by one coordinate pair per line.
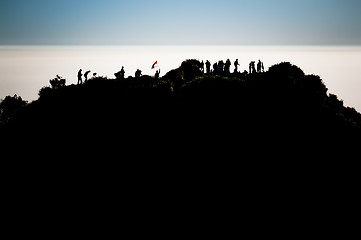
x,y
252,67
138,73
117,75
236,64
208,66
215,68
227,65
262,67
86,76
202,66
120,74
220,66
156,76
259,66
80,80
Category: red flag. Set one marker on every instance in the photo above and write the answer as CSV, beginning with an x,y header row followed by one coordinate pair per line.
x,y
154,64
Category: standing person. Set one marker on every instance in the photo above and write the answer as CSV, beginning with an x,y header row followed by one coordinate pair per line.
x,y
202,66
122,73
227,65
86,76
220,66
215,68
253,66
259,66
80,80
138,73
208,67
157,74
236,64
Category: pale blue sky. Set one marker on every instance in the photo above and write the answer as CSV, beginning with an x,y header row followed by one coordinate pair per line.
x,y
248,22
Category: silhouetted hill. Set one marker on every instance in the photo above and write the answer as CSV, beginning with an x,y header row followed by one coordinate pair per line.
x,y
276,139
188,106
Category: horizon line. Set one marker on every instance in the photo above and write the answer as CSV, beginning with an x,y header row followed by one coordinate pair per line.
x,y
198,45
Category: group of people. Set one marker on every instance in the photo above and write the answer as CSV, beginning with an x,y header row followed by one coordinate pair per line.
x,y
80,76
138,74
219,67
224,67
118,75
252,67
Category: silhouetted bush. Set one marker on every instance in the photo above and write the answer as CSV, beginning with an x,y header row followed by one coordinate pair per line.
x,y
97,78
286,70
57,82
9,107
191,68
45,91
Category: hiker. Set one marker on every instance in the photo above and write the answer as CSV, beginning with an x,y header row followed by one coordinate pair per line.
x,y
156,76
227,66
236,64
220,66
86,76
80,80
202,66
215,68
252,67
120,74
208,66
138,73
259,66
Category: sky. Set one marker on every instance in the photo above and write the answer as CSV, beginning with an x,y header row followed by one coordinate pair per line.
x,y
181,22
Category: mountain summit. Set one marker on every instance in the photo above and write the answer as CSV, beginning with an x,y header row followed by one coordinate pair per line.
x,y
281,103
